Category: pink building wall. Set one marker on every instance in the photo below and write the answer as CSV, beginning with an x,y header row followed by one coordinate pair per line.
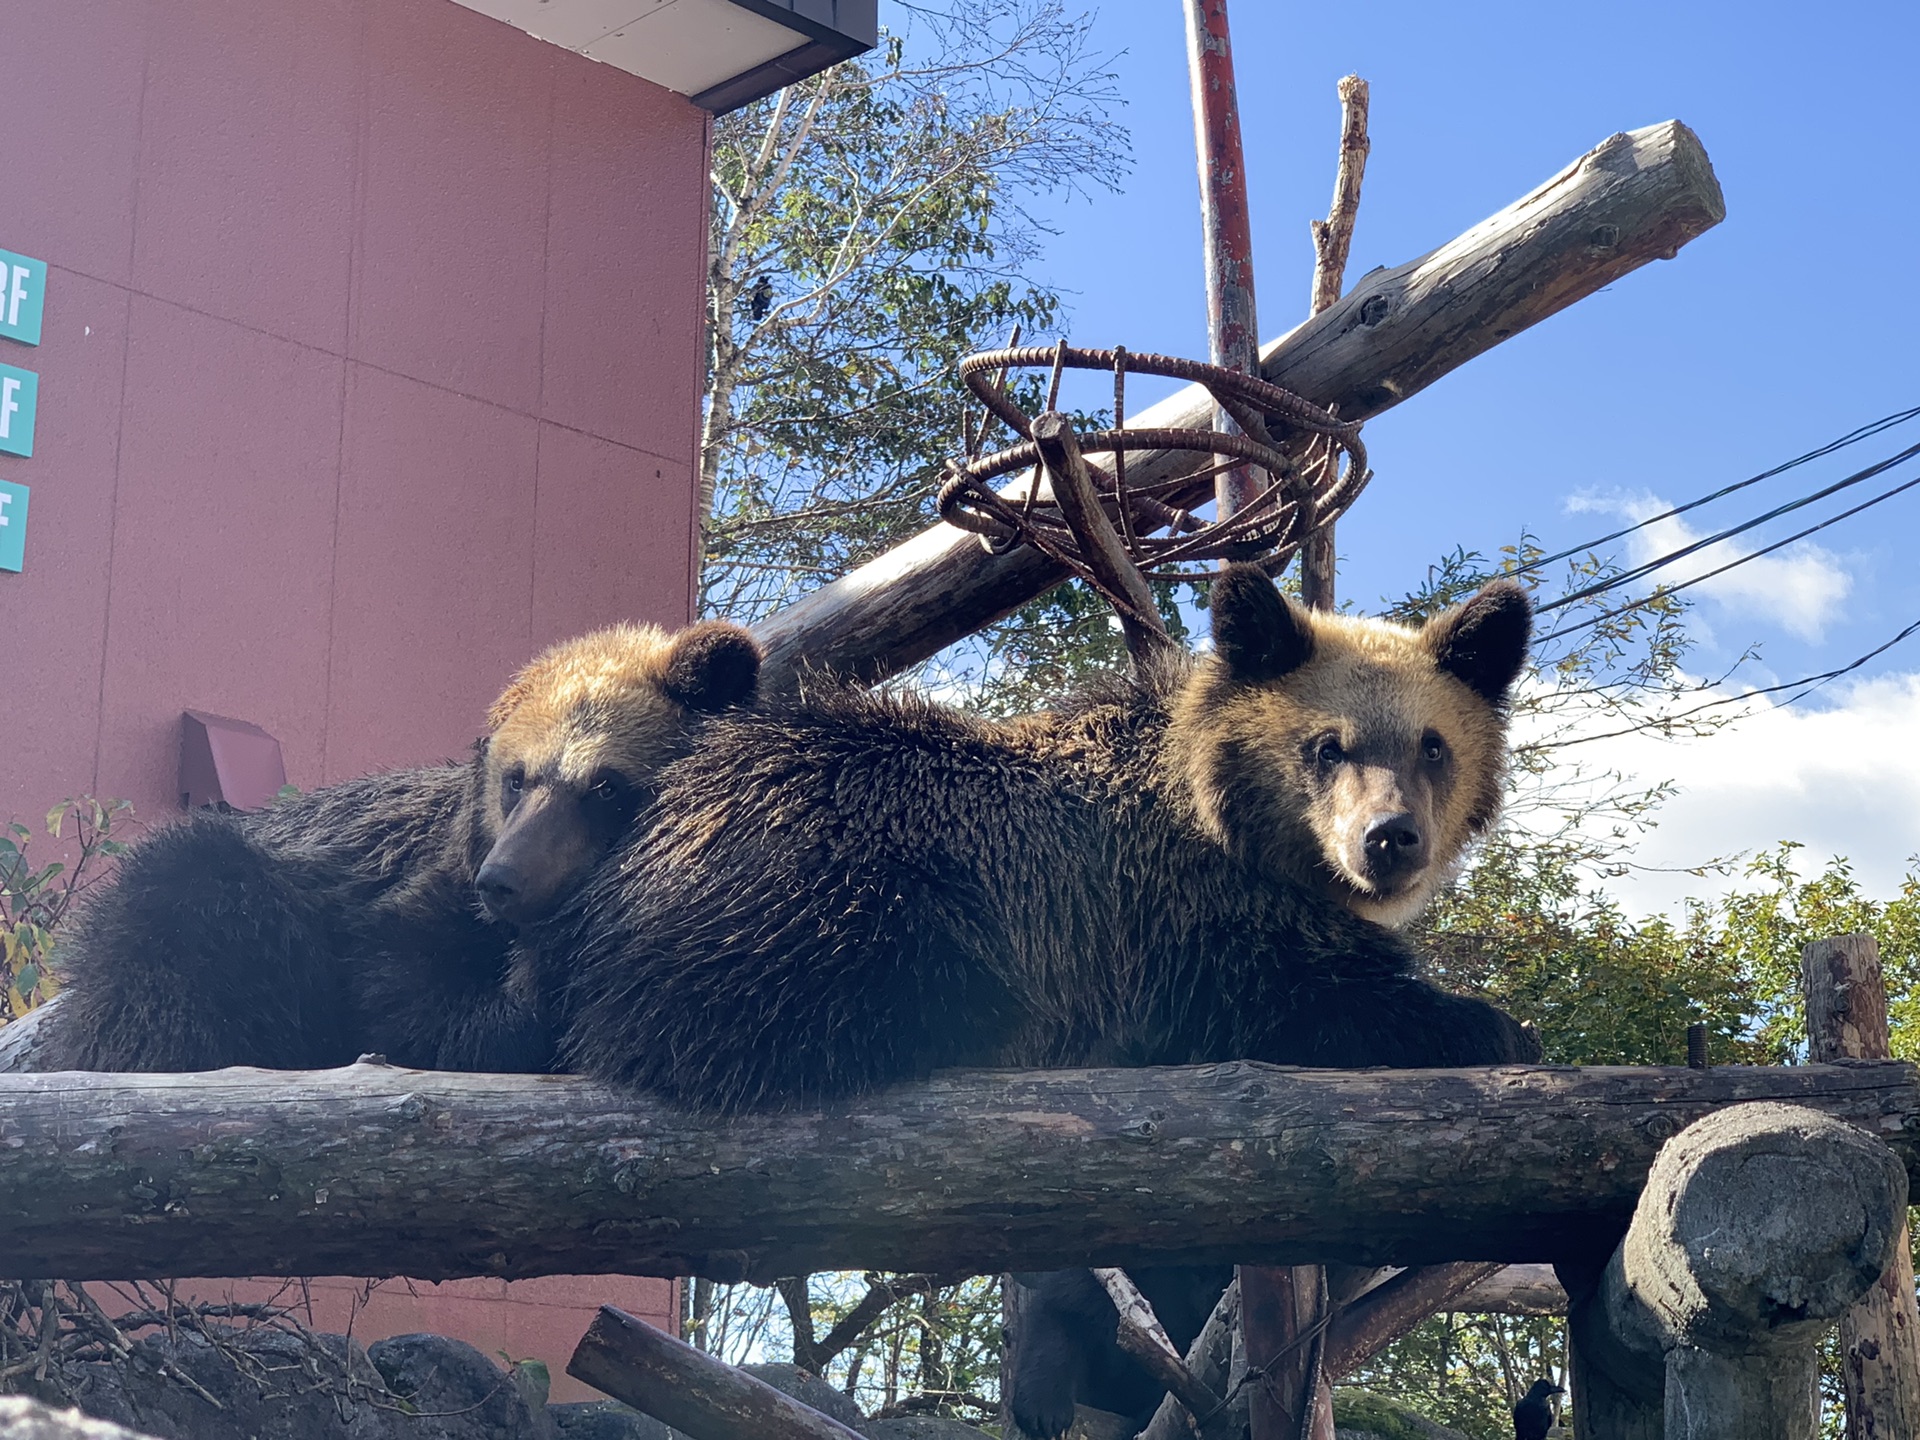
x,y
370,365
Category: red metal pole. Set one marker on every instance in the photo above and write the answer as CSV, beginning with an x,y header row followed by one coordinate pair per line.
x,y
1233,334
1278,1307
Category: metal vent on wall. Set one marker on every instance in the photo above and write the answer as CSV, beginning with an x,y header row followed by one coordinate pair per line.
x,y
229,764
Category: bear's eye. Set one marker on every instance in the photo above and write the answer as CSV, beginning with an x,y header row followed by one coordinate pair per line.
x,y
608,788
1432,748
516,781
1330,751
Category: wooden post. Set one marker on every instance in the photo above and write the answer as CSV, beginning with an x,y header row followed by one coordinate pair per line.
x,y
1759,1227
1279,1307
1846,997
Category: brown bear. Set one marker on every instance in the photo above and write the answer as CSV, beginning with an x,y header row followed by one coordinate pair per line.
x,y
1196,864
379,914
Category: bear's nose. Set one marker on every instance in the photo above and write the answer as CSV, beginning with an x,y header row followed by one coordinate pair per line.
x,y
1395,848
502,890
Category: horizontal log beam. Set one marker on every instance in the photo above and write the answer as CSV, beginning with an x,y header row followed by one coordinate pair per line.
x,y
374,1170
1634,198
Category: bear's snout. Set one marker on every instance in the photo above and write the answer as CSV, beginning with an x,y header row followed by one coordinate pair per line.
x,y
1395,848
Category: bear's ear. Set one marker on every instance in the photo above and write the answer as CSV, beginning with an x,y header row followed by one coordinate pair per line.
x,y
1258,632
1483,643
712,665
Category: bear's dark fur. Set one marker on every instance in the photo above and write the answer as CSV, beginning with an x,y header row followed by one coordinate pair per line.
x,y
355,918
849,889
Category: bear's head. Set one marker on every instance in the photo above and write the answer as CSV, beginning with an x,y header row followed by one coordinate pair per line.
x,y
575,743
1354,756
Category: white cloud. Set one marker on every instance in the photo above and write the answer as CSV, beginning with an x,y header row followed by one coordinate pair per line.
x,y
1800,588
1843,779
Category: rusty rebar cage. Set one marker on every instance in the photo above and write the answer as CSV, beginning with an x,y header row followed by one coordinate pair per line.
x,y
1295,446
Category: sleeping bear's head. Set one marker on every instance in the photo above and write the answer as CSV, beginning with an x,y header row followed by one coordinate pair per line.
x,y
1354,756
574,745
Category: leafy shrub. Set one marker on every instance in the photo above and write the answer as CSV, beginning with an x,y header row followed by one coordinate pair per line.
x,y
33,902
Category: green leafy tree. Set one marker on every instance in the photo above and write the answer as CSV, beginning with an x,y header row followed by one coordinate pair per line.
x,y
870,228
35,900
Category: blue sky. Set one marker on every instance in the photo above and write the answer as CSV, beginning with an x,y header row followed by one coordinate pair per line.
x,y
1791,323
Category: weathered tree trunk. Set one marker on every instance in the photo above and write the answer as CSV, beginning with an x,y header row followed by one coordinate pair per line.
x,y
688,1389
373,1170
1759,1226
1847,1020
1635,197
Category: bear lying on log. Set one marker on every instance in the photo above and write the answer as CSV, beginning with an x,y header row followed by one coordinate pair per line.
x,y
380,914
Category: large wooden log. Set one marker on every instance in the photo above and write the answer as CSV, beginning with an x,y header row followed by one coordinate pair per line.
x,y
1635,197
1846,996
1758,1228
373,1170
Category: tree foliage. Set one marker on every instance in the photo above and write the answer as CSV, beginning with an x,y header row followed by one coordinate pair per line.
x,y
34,900
870,228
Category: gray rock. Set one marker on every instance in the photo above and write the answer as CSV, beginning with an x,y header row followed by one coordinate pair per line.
x,y
25,1419
810,1389
923,1427
606,1420
1092,1424
266,1382
453,1392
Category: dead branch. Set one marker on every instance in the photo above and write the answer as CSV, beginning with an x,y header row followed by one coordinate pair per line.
x,y
1332,241
1114,573
1141,1336
1381,1316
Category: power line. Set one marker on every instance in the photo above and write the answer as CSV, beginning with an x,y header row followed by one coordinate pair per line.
x,y
1719,570
1853,437
1806,685
1627,577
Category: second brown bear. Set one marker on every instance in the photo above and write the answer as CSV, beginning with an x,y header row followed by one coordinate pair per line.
x,y
1195,865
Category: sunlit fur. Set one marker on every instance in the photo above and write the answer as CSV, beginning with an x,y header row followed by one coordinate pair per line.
x,y
345,920
1248,759
585,705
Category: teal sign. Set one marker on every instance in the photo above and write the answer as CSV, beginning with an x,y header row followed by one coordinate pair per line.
x,y
13,526
23,296
19,393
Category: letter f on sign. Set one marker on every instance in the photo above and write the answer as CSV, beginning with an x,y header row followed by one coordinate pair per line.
x,y
16,293
9,407
5,500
